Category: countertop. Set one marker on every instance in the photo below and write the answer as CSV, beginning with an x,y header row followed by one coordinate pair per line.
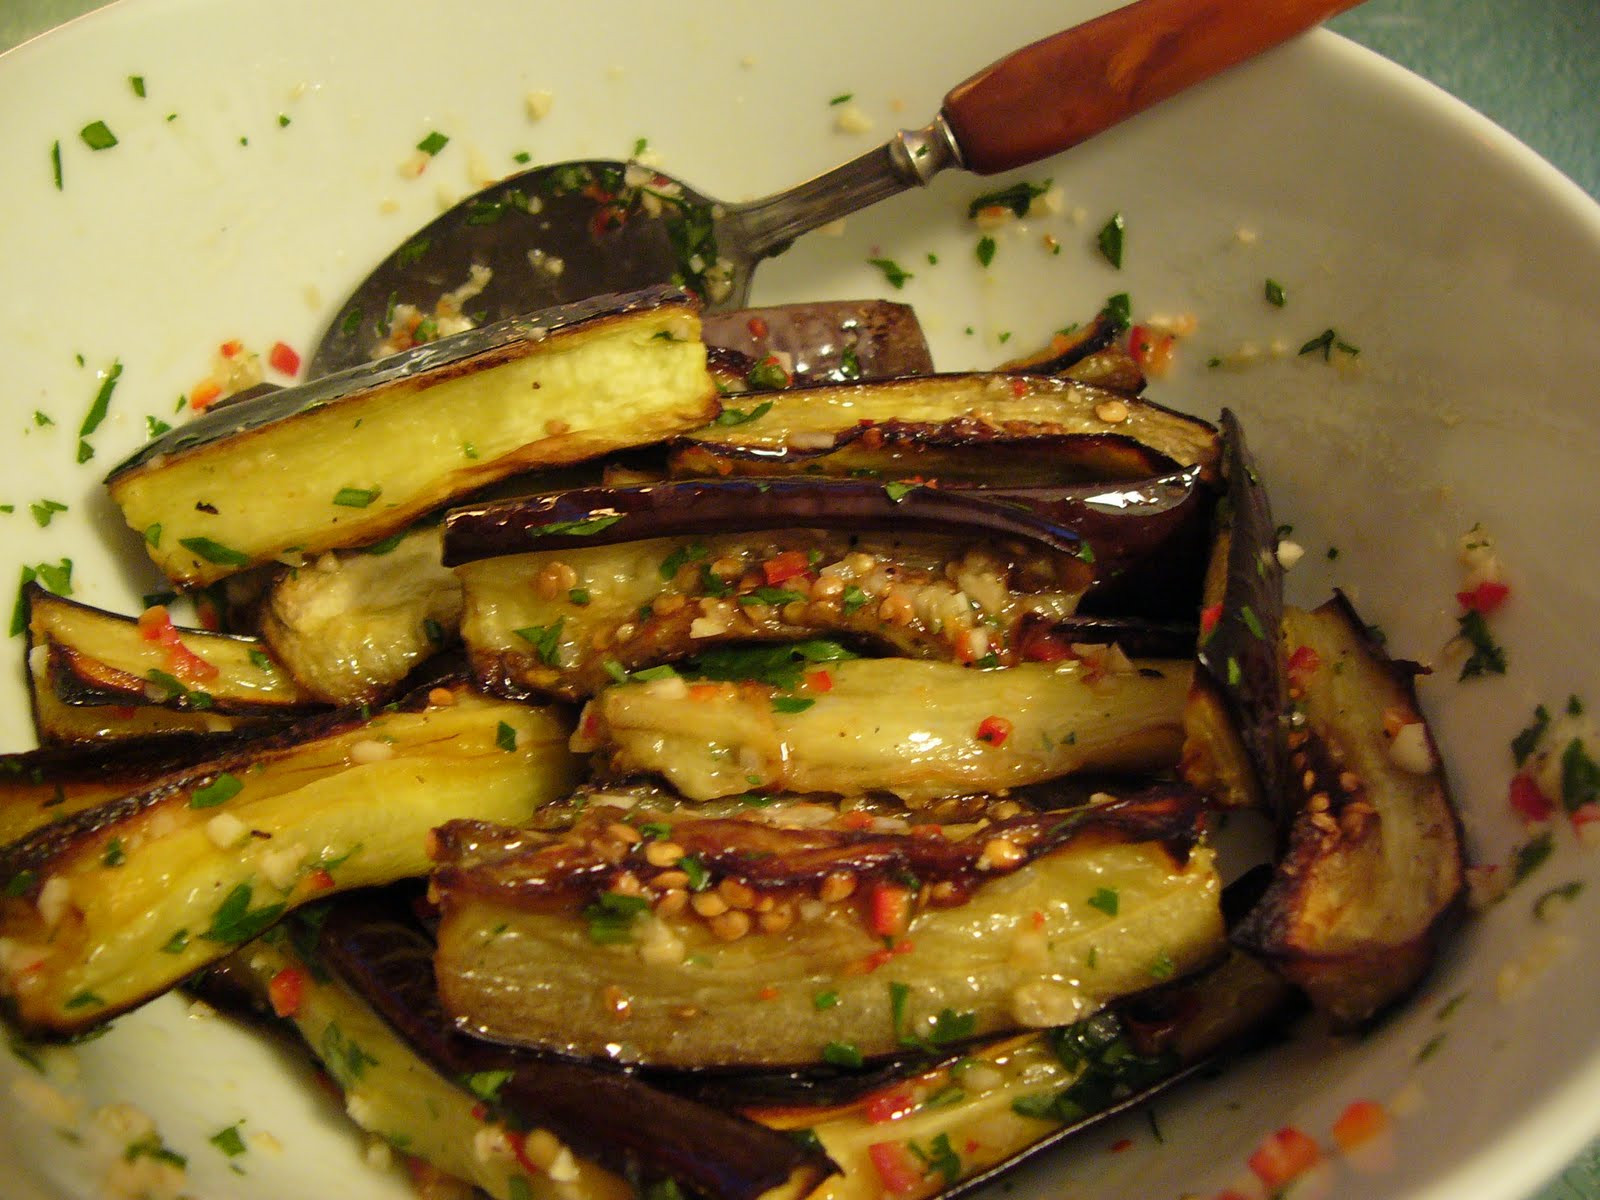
x,y
1532,66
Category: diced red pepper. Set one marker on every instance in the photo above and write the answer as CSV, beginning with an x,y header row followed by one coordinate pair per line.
x,y
1040,643
819,681
1527,801
889,909
286,990
1151,350
155,625
1303,663
781,567
1019,389
231,348
1361,1121
204,395
1283,1156
856,819
994,730
757,327
519,1147
897,1167
1485,598
697,691
1584,816
890,1104
319,880
768,993
284,359
1209,616
1121,1144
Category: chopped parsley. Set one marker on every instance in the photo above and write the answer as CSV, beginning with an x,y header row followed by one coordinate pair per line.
x,y
775,597
842,98
229,1141
433,143
853,598
55,164
842,1054
1325,343
214,552
1273,291
670,565
44,510
486,1085
823,1001
899,490
583,527
505,736
738,416
1530,856
220,790
791,704
1110,240
985,251
151,1146
1017,198
892,271
351,497
1580,776
97,135
1118,310
545,640
235,922
612,915
938,1158
579,596
114,855
1567,892
1487,657
768,375
1106,900
102,400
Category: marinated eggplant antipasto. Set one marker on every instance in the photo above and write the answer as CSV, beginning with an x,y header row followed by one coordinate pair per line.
x,y
827,786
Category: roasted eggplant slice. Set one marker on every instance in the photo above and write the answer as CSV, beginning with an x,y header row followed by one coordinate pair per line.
x,y
116,903
1094,354
1232,740
604,1115
346,460
708,942
1373,869
97,658
920,730
830,341
59,724
888,427
351,626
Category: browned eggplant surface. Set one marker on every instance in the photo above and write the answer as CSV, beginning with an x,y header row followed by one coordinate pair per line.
x,y
1373,868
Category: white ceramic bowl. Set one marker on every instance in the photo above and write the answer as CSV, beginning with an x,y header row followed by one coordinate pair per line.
x,y
1465,270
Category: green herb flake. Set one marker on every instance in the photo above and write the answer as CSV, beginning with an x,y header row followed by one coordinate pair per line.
x,y
97,136
1235,672
545,640
1018,197
1580,776
1110,240
1430,1047
177,943
136,82
1252,622
1273,290
486,1085
852,598
151,1146
950,1026
739,416
585,527
114,855
985,251
774,597
214,552
1325,343
433,143
1163,967
351,497
55,165
579,596
260,661
892,271
672,563
522,158
842,1054
45,510
1530,856
791,704
612,915
154,427
1106,900
842,98
20,884
823,1001
229,1141
505,737
1487,656
1118,310
939,1158
344,1057
1567,892
235,922
899,490
83,1000
85,452
219,791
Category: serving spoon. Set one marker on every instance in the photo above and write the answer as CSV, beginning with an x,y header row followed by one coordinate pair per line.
x,y
559,233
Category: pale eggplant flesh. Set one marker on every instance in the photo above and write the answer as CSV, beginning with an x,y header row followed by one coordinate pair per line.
x,y
706,943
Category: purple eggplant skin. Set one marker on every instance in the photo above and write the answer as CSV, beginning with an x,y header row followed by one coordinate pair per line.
x,y
830,341
606,516
1240,675
605,1115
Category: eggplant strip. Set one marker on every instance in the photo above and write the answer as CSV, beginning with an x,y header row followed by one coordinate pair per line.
x,y
392,1093
351,626
605,1116
1093,354
348,459
1232,749
60,725
833,430
706,945
831,341
920,730
97,658
117,903
1373,871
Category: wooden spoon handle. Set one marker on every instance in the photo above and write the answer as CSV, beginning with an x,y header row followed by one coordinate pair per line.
x,y
1064,89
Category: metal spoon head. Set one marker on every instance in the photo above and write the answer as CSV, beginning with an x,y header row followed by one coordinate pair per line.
x,y
547,236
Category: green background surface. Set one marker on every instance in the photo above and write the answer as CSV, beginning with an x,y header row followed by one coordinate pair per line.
x,y
1532,66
